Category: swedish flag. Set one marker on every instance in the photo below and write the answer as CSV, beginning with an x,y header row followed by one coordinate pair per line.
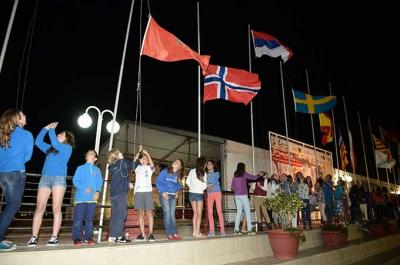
x,y
306,103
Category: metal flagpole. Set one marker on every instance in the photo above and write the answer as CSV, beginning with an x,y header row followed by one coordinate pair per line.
x,y
198,85
7,37
284,112
312,127
103,200
365,154
251,109
373,152
349,135
334,131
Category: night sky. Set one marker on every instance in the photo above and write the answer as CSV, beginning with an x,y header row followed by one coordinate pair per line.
x,y
77,48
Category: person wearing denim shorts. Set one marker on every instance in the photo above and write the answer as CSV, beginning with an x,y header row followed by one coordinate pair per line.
x,y
16,145
197,183
53,180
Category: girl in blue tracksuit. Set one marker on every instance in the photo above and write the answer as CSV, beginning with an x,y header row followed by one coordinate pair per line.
x,y
53,180
16,145
168,188
87,181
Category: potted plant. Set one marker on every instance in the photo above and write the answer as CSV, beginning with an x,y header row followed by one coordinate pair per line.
x,y
376,228
285,242
335,235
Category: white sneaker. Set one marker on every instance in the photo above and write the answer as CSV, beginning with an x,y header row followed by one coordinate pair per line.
x,y
53,242
112,239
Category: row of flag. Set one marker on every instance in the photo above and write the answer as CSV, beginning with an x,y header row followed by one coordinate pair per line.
x,y
241,86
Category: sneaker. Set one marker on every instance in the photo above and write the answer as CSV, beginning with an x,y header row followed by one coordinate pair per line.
x,y
33,242
140,237
89,242
123,240
170,237
112,239
7,245
251,233
151,238
211,234
78,243
53,241
237,232
222,233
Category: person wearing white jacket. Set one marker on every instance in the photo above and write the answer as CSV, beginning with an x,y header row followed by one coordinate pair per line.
x,y
197,183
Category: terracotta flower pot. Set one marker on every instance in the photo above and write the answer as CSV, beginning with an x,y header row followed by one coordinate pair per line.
x,y
376,230
334,239
285,245
392,228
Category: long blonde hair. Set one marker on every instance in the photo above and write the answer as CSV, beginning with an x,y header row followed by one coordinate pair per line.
x,y
112,155
8,123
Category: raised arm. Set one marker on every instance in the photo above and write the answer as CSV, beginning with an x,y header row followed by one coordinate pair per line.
x,y
150,160
39,142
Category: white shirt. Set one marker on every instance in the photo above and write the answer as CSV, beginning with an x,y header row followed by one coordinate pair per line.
x,y
143,178
195,185
303,191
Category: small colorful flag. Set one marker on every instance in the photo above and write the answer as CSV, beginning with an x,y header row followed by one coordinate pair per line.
x,y
383,156
343,153
164,46
306,103
231,84
325,122
265,44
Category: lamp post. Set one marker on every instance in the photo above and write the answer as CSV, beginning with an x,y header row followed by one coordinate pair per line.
x,y
85,121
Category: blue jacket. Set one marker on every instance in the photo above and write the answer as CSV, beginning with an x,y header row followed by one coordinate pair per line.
x,y
167,183
18,153
55,164
87,176
213,178
120,176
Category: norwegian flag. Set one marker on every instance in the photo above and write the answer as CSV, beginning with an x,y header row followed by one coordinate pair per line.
x,y
231,84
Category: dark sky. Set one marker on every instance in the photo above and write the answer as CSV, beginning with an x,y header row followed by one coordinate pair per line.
x,y
77,49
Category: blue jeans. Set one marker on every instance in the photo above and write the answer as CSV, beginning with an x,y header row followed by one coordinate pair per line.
x,y
329,210
242,202
13,184
169,207
118,214
83,212
306,213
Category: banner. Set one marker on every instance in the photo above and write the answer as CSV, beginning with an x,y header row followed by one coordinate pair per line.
x,y
302,158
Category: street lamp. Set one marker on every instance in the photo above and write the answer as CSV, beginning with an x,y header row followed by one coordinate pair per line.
x,y
85,121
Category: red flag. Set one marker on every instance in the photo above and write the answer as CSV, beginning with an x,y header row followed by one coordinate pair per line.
x,y
231,84
164,46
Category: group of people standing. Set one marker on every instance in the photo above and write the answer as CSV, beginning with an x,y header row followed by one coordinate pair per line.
x,y
16,147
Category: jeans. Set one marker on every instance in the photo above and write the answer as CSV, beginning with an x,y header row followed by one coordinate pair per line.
x,y
119,205
329,210
169,207
83,212
242,203
13,184
306,213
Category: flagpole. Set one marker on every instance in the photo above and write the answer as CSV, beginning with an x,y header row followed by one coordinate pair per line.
x,y
373,152
198,86
251,107
348,134
104,193
365,154
7,37
312,128
334,131
284,112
